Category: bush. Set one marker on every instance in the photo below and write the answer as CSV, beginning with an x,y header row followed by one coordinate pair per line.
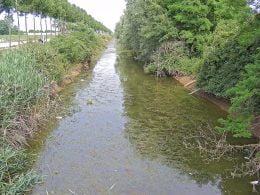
x,y
48,61
245,99
173,57
76,47
226,61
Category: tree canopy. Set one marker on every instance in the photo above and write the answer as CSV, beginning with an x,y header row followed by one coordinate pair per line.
x,y
215,40
58,9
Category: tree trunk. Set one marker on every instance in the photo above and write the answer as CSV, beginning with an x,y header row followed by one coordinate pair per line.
x,y
34,28
55,23
26,28
46,28
10,30
18,23
51,25
19,33
65,29
62,29
41,26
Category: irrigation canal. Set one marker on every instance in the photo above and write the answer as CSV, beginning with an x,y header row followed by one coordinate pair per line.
x,y
125,135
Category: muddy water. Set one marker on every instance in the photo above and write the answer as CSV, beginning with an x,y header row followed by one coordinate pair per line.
x,y
125,136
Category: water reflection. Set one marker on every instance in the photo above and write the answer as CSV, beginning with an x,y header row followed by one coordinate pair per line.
x,y
126,137
161,114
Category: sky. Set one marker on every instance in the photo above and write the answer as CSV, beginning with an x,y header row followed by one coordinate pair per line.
x,y
106,11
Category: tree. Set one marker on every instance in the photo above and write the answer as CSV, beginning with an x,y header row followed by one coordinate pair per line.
x,y
245,98
4,27
213,39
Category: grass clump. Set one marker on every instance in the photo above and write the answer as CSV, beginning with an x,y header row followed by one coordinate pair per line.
x,y
20,84
13,176
48,61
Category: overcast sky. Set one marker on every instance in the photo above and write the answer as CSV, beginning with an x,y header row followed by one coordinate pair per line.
x,y
106,11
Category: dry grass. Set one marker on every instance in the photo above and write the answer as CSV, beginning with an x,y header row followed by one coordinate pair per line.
x,y
215,147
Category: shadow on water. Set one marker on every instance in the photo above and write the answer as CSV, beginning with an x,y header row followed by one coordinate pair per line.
x,y
125,136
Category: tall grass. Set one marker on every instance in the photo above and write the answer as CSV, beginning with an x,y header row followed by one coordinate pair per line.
x,y
24,72
20,84
13,176
25,77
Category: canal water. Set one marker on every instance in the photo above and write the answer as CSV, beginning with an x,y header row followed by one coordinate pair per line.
x,y
126,136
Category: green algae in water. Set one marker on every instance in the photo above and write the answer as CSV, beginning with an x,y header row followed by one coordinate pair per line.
x,y
161,115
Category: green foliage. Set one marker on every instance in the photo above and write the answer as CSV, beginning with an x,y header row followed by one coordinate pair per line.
x,y
245,99
76,47
168,56
143,27
230,10
20,84
193,19
226,58
173,58
48,61
12,163
58,9
245,96
237,125
4,27
215,40
25,71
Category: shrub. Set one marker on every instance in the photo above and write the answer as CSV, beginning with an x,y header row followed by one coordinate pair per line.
x,y
226,60
173,57
48,61
245,99
76,47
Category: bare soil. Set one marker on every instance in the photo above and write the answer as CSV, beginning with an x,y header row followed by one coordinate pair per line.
x,y
189,83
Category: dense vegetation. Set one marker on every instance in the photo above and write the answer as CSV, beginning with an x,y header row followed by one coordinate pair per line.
x,y
12,163
25,71
216,41
5,25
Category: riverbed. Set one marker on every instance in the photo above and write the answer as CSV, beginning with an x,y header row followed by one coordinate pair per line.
x,y
125,134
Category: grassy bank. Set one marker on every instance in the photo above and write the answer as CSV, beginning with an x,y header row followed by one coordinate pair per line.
x,y
26,94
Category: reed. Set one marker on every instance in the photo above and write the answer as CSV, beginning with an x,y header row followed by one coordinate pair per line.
x,y
20,84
